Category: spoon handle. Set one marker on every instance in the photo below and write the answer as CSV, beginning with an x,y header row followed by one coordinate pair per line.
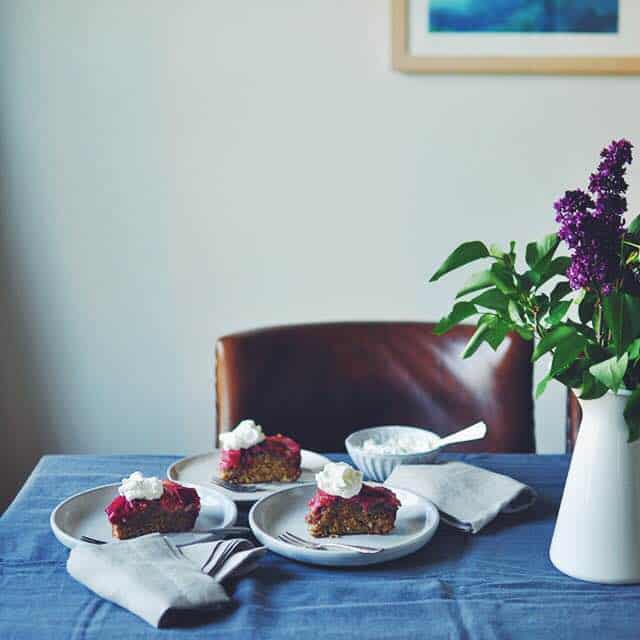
x,y
476,431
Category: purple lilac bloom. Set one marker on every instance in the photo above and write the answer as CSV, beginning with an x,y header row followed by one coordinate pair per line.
x,y
592,224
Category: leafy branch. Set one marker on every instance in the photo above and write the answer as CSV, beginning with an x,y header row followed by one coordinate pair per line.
x,y
594,340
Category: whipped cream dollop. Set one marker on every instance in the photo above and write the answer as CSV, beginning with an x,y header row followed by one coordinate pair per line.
x,y
399,443
245,435
339,479
137,487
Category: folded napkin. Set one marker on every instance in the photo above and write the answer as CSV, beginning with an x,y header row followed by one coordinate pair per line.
x,y
152,578
467,497
224,559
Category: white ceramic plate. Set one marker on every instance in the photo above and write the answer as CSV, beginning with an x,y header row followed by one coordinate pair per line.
x,y
83,514
416,522
200,469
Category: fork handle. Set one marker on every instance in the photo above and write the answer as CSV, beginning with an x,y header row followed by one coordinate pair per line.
x,y
230,486
227,530
350,547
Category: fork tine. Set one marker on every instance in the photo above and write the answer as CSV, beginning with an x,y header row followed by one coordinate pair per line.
x,y
355,547
289,534
293,536
92,540
285,538
229,486
293,540
220,483
300,542
295,543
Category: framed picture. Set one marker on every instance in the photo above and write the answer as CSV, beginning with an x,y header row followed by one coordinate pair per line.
x,y
516,36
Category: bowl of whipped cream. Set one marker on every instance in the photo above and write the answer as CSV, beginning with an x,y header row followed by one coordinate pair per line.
x,y
377,451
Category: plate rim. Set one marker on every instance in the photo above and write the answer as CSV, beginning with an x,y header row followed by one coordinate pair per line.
x,y
70,542
311,556
237,496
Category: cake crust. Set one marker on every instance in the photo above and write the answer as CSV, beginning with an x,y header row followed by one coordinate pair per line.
x,y
372,511
160,522
176,510
276,459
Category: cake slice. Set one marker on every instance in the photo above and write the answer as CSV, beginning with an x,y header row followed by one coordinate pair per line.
x,y
148,505
249,456
343,505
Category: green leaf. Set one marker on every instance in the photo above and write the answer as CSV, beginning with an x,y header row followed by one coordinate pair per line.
x,y
485,324
492,299
591,388
558,266
582,329
622,317
537,253
613,310
514,312
556,336
542,385
580,296
566,353
461,311
532,277
497,333
525,281
559,311
465,253
597,323
632,318
632,415
596,353
572,376
496,252
634,349
611,371
542,302
526,333
586,308
503,278
634,226
477,281
560,291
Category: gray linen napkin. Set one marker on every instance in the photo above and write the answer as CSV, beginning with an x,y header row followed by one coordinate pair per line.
x,y
467,497
150,576
224,559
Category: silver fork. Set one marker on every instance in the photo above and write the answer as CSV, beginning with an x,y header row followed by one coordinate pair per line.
x,y
221,532
250,488
232,486
292,539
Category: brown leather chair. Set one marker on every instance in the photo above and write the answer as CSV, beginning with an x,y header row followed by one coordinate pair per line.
x,y
574,417
320,382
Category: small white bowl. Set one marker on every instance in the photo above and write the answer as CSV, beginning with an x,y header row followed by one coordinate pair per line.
x,y
378,466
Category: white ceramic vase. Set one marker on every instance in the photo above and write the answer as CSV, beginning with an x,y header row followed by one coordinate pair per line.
x,y
597,534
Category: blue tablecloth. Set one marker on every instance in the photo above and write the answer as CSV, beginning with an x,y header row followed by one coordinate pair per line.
x,y
497,584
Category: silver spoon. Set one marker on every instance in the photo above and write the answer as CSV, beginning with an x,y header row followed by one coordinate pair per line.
x,y
476,431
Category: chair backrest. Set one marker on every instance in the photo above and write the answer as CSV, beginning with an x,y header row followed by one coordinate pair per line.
x,y
573,419
320,382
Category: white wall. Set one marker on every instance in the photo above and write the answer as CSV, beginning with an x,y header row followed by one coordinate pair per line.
x,y
175,171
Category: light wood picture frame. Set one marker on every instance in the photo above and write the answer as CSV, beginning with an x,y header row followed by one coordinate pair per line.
x,y
403,59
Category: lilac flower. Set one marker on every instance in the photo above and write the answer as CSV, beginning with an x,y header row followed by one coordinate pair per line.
x,y
609,178
592,225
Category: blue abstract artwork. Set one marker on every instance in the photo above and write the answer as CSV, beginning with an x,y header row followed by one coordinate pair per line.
x,y
524,16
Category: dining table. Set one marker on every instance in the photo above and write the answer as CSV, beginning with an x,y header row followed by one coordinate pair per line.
x,y
498,583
